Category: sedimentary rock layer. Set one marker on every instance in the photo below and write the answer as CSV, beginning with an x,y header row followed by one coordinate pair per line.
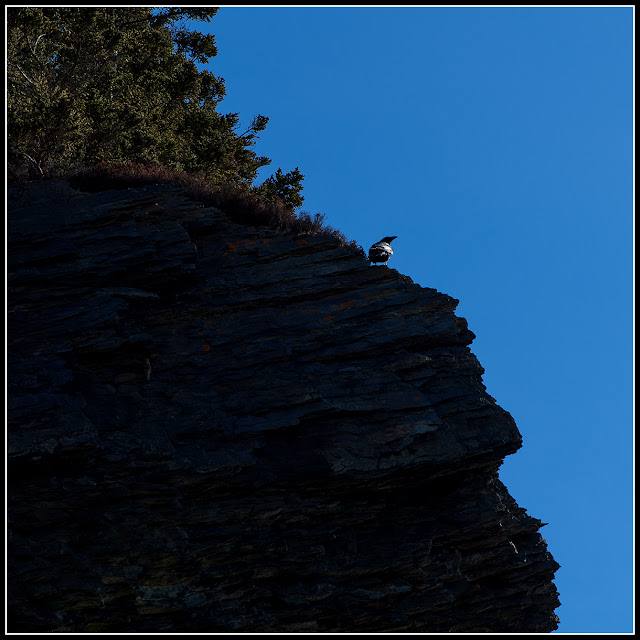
x,y
216,427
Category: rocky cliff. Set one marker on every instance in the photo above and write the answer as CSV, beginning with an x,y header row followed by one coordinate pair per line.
x,y
217,427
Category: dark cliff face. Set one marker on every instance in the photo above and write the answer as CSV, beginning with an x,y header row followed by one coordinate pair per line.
x,y
216,427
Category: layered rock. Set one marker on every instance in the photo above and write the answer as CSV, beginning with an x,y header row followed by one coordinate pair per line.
x,y
216,427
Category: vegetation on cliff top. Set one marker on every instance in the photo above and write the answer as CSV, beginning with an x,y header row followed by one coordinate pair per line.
x,y
241,205
109,96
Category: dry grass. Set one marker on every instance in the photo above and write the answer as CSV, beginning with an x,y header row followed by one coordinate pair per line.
x,y
240,204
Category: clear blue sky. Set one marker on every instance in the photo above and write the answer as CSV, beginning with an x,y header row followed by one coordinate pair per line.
x,y
497,144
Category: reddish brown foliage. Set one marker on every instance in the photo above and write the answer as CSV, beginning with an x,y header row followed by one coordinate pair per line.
x,y
239,203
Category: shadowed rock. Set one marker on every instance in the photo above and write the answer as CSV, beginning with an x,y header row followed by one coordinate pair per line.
x,y
222,428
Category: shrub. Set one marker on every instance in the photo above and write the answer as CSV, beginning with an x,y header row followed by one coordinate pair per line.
x,y
240,203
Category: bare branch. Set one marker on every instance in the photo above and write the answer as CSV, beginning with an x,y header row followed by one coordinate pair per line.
x,y
33,49
34,162
26,77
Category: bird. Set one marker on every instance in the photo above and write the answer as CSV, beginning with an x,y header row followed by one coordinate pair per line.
x,y
381,251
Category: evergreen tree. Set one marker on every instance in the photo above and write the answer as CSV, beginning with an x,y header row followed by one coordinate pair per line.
x,y
285,186
119,84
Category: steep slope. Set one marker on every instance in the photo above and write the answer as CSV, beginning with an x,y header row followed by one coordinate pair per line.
x,y
217,427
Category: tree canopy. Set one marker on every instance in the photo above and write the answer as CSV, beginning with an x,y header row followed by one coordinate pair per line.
x,y
121,84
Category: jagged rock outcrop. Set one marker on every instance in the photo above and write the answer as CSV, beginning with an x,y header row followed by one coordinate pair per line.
x,y
215,427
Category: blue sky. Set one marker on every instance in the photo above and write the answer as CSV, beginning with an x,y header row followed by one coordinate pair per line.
x,y
497,144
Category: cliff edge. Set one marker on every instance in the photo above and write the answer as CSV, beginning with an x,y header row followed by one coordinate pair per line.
x,y
216,427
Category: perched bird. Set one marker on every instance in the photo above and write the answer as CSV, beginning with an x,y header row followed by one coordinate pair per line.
x,y
381,251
